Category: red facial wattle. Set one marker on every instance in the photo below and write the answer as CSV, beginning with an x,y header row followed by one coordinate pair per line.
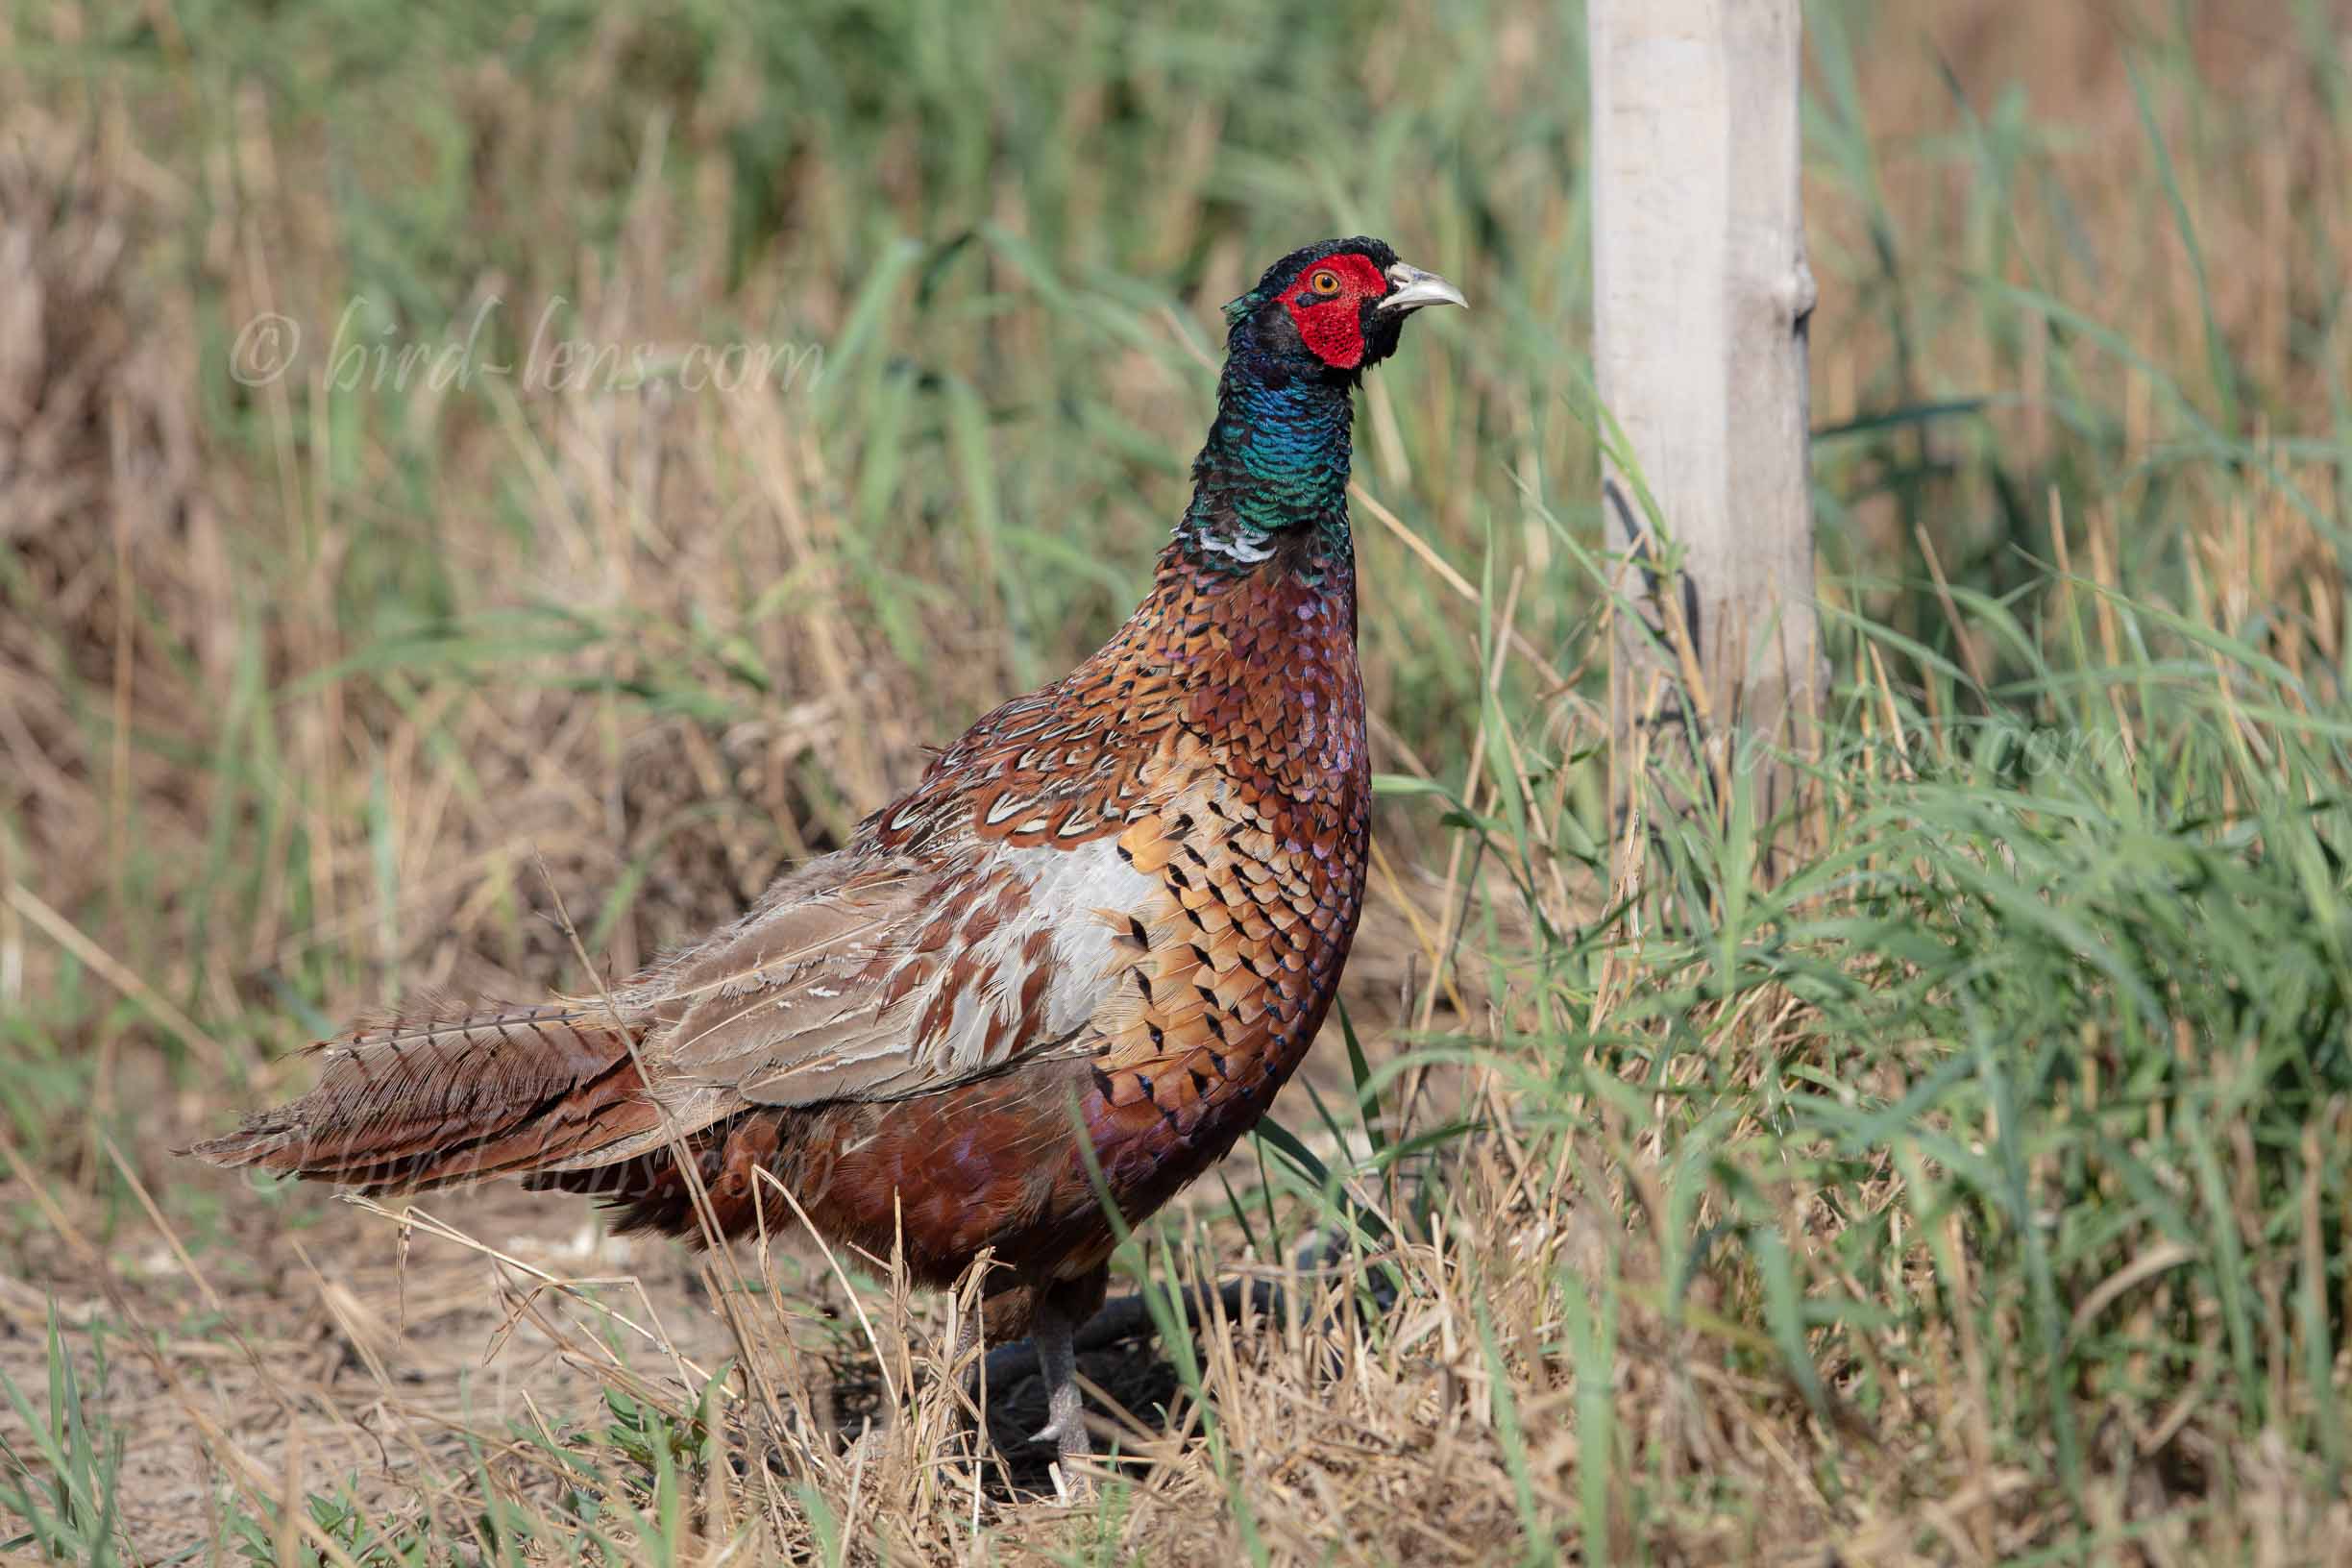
x,y
1331,319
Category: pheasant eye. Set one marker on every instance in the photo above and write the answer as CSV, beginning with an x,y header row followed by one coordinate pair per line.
x,y
1326,282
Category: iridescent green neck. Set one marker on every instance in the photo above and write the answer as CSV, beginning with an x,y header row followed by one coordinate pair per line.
x,y
1276,462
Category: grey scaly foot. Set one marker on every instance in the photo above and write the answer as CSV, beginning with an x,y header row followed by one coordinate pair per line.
x,y
1065,1409
965,1357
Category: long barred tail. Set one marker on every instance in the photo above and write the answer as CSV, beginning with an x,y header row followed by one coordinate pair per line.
x,y
446,1095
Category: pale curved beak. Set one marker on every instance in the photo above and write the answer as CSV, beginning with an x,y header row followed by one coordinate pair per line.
x,y
1411,288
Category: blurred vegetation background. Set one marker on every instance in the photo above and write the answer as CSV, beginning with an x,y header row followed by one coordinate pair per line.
x,y
1979,1192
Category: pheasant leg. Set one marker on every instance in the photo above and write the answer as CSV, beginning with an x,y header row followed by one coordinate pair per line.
x,y
1058,1362
1060,1306
966,1358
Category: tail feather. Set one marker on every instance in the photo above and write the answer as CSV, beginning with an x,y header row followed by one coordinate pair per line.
x,y
445,1095
652,1191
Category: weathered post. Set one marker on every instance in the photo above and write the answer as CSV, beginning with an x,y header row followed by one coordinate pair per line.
x,y
1701,297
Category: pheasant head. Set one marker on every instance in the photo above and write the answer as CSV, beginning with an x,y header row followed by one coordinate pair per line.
x,y
1331,311
1275,466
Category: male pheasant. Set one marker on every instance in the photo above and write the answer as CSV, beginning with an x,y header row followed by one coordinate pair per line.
x,y
1118,906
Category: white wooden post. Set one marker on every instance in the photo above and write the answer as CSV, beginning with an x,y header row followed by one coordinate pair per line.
x,y
1701,297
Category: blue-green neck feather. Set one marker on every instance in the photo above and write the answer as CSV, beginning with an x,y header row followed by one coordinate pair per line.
x,y
1275,463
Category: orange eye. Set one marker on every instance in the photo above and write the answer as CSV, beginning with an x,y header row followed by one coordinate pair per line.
x,y
1325,282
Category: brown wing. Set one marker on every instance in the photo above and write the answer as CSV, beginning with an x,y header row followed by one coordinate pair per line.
x,y
871,976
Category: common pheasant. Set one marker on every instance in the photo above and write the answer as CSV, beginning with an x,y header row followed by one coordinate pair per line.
x,y
1118,905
